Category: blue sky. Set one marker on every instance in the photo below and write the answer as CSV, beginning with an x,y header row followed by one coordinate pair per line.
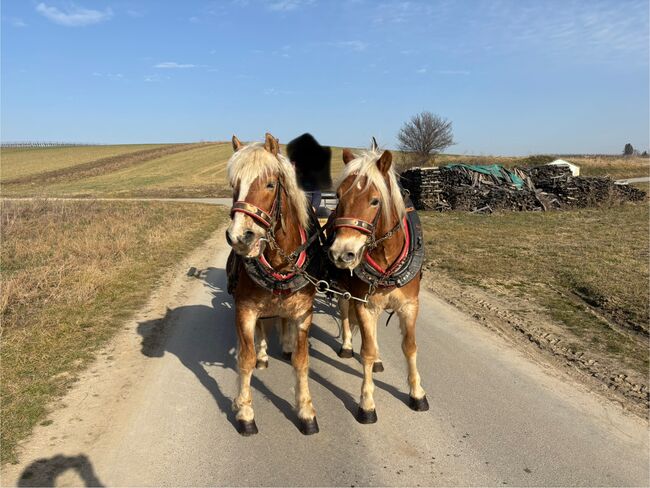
x,y
514,77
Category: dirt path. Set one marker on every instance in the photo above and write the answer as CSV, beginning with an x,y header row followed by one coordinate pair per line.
x,y
155,409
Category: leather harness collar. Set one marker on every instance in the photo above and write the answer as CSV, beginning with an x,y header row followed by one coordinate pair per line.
x,y
407,266
302,258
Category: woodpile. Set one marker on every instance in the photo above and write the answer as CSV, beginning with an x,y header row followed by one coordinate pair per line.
x,y
545,188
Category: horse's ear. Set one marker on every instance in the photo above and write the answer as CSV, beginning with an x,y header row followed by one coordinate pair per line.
x,y
271,144
373,144
347,156
384,162
236,144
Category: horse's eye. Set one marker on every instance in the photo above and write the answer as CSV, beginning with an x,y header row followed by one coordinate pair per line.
x,y
270,185
374,202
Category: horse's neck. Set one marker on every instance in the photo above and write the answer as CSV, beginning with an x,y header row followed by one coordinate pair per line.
x,y
389,250
287,237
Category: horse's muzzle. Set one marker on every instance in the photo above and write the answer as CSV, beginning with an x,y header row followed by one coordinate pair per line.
x,y
343,259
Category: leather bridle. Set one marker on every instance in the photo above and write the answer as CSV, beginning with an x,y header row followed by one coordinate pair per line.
x,y
367,228
260,216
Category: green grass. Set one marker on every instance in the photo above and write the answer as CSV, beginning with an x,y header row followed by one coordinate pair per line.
x,y
21,162
587,269
72,273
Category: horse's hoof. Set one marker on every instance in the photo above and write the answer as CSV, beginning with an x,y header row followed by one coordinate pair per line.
x,y
366,416
378,367
419,404
309,426
262,364
286,356
247,427
346,353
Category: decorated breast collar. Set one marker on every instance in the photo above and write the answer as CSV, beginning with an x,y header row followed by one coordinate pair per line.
x,y
308,259
409,263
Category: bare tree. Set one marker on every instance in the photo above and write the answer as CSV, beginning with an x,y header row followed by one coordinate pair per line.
x,y
425,135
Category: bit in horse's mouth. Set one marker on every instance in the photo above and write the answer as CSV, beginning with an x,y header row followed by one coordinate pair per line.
x,y
257,249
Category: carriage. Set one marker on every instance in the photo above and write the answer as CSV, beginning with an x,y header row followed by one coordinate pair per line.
x,y
290,241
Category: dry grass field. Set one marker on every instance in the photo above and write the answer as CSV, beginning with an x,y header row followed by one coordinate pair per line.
x,y
193,170
585,271
72,272
20,162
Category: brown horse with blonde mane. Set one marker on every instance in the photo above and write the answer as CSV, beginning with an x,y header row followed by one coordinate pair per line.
x,y
378,239
272,235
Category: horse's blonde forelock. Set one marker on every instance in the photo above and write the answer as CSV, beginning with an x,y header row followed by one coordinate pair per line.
x,y
253,160
363,165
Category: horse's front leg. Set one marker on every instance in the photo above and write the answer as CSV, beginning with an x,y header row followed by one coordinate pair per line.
x,y
261,345
245,320
287,338
367,413
346,332
350,322
300,361
408,315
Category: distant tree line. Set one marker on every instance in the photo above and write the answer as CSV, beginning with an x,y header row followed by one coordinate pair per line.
x,y
43,144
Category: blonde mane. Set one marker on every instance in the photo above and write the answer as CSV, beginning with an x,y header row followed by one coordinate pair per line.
x,y
252,161
363,165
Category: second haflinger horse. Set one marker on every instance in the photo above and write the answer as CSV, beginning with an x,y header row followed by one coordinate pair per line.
x,y
378,240
274,237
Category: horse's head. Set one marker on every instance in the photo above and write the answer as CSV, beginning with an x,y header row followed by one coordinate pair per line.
x,y
369,204
263,181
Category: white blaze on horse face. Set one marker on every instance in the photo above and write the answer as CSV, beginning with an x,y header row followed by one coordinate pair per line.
x,y
239,228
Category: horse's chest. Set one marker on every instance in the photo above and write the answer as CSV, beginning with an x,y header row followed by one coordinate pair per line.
x,y
394,299
267,304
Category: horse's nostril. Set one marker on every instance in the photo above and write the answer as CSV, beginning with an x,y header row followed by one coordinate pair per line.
x,y
228,238
348,257
248,236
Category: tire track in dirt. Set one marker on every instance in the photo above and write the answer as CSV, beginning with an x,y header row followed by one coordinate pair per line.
x,y
106,165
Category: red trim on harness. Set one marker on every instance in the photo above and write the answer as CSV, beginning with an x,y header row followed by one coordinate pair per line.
x,y
301,260
363,230
400,259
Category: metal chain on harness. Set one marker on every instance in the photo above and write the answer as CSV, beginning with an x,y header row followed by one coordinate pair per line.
x,y
322,286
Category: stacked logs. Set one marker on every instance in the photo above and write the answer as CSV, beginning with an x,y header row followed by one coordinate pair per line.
x,y
546,188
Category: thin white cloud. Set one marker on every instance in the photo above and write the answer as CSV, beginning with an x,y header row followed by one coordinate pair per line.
x,y
421,71
275,92
110,76
287,5
116,76
174,65
17,22
155,78
73,16
452,72
355,45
